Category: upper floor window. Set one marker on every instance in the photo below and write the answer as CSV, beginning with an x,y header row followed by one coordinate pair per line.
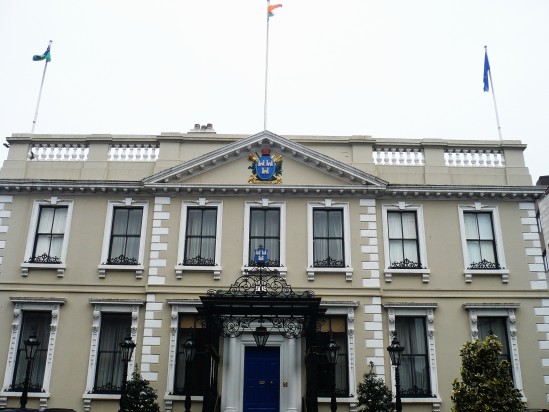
x,y
328,240
35,324
481,244
403,240
124,241
37,318
48,235
329,244
200,237
264,226
125,236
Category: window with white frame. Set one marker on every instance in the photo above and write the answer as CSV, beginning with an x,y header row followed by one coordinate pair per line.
x,y
37,318
264,226
499,320
112,322
329,245
47,240
404,240
200,237
481,237
124,241
414,328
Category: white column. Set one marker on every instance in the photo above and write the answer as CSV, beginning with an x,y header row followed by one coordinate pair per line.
x,y
230,384
294,384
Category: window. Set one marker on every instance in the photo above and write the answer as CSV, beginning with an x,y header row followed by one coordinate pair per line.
x,y
112,321
404,241
329,244
124,241
338,327
35,323
39,317
200,237
498,319
189,327
50,231
48,236
109,368
414,368
125,236
482,242
414,324
481,245
264,226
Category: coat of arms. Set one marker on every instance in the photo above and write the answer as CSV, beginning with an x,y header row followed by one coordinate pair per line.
x,y
266,168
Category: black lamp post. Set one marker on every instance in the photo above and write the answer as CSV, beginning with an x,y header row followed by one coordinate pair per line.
x,y
332,353
127,347
395,352
189,351
31,345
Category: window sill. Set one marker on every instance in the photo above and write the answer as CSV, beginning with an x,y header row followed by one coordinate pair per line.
x,y
171,397
105,396
389,272
138,269
59,267
504,273
311,271
37,395
347,399
215,270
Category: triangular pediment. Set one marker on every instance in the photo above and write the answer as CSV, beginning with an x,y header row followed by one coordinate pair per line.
x,y
233,164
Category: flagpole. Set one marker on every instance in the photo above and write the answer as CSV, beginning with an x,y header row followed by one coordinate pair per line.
x,y
40,92
494,97
266,70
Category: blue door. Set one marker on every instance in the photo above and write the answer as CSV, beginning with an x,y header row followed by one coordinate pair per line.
x,y
262,379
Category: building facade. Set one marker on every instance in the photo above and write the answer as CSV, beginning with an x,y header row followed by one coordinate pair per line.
x,y
208,238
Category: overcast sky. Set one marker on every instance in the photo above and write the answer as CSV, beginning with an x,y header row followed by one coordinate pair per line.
x,y
385,68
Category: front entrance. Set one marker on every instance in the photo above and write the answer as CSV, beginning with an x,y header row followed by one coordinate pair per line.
x,y
261,379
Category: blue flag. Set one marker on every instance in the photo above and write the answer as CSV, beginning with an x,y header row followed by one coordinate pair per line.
x,y
46,56
486,70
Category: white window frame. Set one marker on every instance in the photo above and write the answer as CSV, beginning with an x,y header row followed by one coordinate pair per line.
x,y
216,269
127,202
468,273
22,304
389,272
59,267
266,203
329,204
346,309
502,310
427,311
108,305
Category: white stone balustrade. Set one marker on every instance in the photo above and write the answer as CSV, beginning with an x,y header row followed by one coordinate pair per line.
x,y
60,152
474,158
395,156
133,152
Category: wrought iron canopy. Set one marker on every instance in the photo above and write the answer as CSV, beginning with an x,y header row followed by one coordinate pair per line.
x,y
261,297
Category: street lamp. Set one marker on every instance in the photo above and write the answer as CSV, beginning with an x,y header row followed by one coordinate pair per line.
x,y
395,352
332,353
189,351
127,346
31,345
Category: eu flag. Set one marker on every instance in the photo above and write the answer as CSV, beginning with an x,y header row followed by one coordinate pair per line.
x,y
486,70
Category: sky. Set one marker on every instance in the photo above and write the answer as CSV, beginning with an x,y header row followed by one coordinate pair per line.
x,y
400,69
